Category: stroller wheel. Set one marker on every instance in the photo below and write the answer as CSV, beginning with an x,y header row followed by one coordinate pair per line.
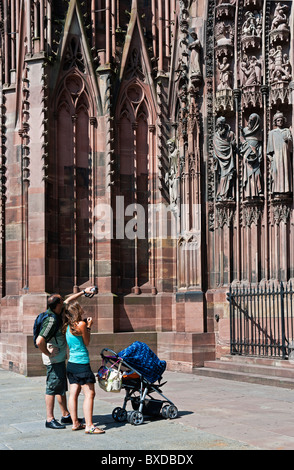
x,y
119,414
172,412
169,412
135,417
164,411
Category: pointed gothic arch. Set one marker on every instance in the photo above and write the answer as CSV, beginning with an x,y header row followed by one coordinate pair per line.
x,y
72,170
135,124
133,147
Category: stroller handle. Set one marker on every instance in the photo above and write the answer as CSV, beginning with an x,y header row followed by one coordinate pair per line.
x,y
108,350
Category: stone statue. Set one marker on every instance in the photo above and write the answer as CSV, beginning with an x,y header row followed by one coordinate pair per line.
x,y
251,72
251,26
280,20
279,150
225,75
251,151
243,70
172,174
224,34
224,149
280,69
195,68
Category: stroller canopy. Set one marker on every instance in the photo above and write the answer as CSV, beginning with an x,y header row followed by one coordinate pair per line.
x,y
140,357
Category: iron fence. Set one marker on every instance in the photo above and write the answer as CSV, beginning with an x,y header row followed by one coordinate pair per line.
x,y
261,320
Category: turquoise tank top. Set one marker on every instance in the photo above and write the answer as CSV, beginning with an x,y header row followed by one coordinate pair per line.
x,y
78,353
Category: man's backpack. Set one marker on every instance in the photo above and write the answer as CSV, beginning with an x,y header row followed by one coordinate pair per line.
x,y
38,324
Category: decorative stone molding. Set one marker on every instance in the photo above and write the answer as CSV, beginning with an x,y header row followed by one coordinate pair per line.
x,y
251,215
281,213
224,214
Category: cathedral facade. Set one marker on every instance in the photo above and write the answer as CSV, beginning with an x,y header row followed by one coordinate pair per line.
x,y
146,147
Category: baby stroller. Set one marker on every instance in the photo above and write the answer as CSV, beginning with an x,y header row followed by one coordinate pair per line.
x,y
141,373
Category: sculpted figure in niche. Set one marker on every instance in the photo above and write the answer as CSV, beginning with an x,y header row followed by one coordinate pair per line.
x,y
252,25
243,70
287,68
223,34
225,75
224,149
280,69
171,176
184,13
250,71
279,150
251,151
195,68
280,19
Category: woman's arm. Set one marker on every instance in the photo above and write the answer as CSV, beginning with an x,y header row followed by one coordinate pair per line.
x,y
84,329
73,297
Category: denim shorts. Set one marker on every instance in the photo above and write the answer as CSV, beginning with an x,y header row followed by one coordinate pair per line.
x,y
56,383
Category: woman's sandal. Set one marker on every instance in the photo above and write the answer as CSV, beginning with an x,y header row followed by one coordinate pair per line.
x,y
79,427
95,430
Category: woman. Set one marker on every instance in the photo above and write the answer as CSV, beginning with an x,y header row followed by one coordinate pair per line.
x,y
79,373
224,149
251,151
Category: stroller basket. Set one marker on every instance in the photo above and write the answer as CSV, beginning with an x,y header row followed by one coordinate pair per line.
x,y
140,368
150,407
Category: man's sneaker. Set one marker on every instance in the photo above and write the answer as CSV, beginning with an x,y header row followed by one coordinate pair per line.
x,y
54,424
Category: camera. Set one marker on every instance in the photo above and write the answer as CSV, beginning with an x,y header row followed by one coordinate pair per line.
x,y
94,291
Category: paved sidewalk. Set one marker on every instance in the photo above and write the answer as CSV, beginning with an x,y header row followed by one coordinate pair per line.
x,y
214,414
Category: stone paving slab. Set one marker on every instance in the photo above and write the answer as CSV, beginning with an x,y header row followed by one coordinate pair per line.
x,y
214,414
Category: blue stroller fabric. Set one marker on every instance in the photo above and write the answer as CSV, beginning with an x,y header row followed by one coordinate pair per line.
x,y
139,356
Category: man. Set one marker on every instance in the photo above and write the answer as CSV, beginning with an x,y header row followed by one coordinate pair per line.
x,y
279,151
52,344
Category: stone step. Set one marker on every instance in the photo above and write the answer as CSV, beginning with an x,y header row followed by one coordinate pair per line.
x,y
267,361
243,377
264,371
251,368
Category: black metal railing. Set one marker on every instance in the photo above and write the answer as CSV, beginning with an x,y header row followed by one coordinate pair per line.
x,y
261,320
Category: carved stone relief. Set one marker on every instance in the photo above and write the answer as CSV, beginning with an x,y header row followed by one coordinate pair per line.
x,y
280,30
224,53
250,141
253,82
183,174
280,213
252,30
224,215
225,8
252,215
